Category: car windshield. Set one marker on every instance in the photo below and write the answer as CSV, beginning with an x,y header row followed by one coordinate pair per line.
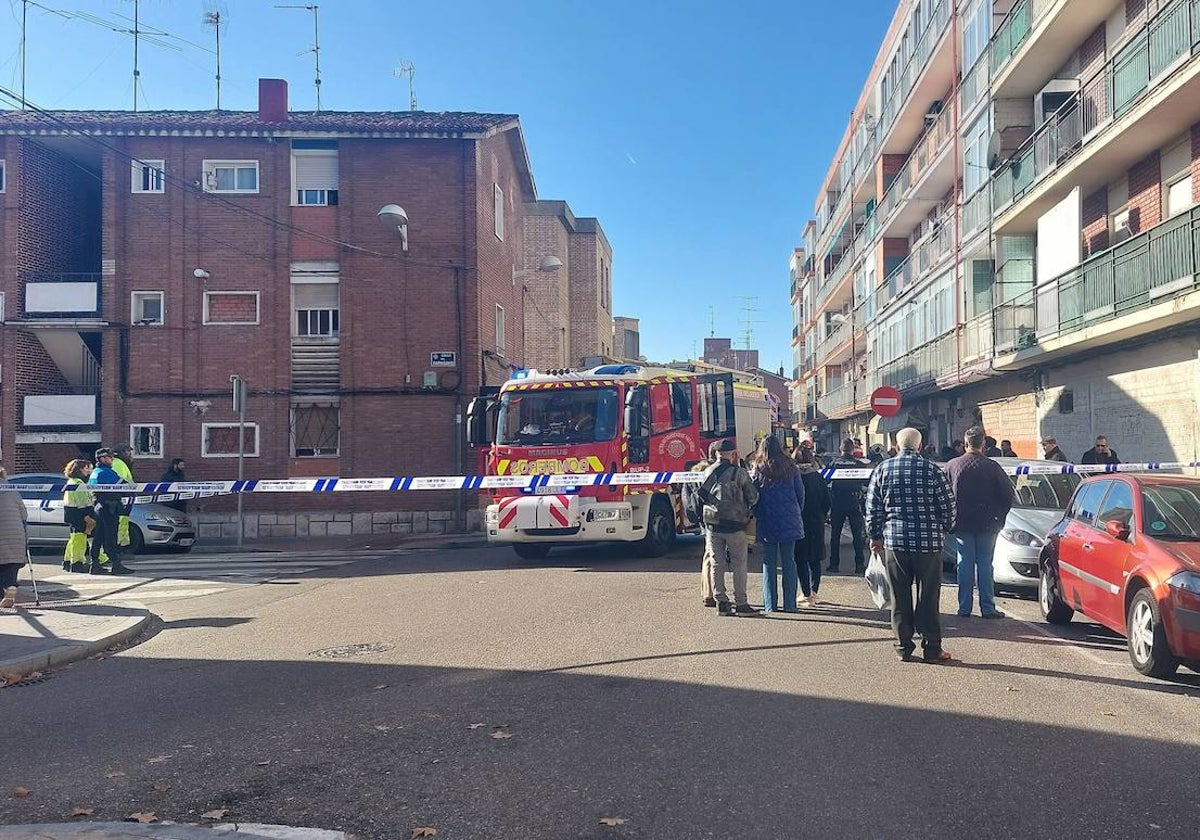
x,y
556,417
1050,491
1172,511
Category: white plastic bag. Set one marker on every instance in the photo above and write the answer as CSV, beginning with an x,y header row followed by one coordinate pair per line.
x,y
878,582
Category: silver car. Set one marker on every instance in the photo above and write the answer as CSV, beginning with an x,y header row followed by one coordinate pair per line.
x,y
1040,502
150,525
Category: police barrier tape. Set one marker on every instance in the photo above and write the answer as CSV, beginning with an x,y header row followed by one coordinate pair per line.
x,y
163,490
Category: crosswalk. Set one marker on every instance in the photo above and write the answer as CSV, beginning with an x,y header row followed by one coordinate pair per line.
x,y
168,577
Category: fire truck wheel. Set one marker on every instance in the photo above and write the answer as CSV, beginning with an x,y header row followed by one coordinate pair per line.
x,y
660,529
531,551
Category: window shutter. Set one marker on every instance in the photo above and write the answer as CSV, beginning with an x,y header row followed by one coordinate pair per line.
x,y
316,170
315,295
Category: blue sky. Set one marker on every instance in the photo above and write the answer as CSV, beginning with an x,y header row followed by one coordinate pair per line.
x,y
698,132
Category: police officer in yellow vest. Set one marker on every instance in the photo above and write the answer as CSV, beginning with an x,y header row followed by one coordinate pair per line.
x,y
78,511
122,463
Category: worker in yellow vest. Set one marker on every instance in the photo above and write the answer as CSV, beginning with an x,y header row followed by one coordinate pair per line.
x,y
78,510
122,464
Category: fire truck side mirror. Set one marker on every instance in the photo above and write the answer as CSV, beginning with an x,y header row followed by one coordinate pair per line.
x,y
637,423
479,432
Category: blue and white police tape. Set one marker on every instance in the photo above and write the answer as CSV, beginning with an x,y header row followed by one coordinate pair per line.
x,y
201,489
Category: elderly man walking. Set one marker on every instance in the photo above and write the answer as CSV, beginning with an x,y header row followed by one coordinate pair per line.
x,y
909,509
983,496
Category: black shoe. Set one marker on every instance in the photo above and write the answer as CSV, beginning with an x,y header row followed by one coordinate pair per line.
x,y
66,565
906,656
118,569
724,608
746,609
996,614
710,602
97,569
79,567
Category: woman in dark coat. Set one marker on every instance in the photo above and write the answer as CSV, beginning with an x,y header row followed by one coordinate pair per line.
x,y
777,514
12,541
810,549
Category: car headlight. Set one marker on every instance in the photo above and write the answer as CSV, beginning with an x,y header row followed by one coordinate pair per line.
x,y
157,517
1018,536
1187,581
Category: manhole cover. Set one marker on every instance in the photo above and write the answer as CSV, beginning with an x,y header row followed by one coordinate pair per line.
x,y
346,651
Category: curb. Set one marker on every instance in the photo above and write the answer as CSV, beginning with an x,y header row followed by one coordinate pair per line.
x,y
176,831
80,649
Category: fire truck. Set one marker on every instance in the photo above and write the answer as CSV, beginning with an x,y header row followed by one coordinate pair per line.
x,y
616,418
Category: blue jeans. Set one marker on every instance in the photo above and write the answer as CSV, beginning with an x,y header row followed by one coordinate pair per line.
x,y
782,554
974,560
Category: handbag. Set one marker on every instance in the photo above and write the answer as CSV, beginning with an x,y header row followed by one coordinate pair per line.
x,y
878,582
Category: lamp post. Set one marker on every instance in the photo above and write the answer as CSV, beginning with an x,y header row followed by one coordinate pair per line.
x,y
548,265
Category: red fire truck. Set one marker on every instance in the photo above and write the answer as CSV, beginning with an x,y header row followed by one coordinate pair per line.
x,y
610,419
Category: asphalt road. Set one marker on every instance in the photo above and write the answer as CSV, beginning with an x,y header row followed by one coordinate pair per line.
x,y
591,696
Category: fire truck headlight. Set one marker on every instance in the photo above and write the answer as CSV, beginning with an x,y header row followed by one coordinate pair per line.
x,y
492,517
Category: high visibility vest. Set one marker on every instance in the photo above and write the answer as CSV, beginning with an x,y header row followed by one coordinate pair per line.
x,y
122,469
81,497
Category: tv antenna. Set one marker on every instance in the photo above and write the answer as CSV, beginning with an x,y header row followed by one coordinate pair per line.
x,y
25,4
712,322
316,47
215,16
748,320
406,69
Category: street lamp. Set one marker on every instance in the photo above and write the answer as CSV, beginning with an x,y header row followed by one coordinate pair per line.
x,y
548,265
393,215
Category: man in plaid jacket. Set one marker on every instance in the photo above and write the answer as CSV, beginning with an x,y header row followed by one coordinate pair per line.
x,y
909,509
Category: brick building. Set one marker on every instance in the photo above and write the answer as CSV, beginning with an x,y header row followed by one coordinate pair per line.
x,y
145,257
627,338
721,352
568,316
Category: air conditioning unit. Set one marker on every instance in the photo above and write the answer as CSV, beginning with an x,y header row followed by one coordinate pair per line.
x,y
1052,97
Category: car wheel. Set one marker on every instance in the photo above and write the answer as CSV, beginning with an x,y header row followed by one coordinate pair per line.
x,y
1148,648
137,541
531,551
1054,609
660,528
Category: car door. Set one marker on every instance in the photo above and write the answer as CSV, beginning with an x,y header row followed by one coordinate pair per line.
x,y
40,507
1107,558
1075,580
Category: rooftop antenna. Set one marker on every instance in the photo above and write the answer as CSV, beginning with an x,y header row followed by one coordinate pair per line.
x,y
748,321
214,17
712,322
140,33
316,47
406,69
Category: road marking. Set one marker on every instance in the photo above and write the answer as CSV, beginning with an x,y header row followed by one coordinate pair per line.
x,y
1082,651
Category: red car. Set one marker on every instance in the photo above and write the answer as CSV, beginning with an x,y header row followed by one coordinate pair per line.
x,y
1126,554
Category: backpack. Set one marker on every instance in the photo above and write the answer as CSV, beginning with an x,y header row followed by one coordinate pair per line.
x,y
701,495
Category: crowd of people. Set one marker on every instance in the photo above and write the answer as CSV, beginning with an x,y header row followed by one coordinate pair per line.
x,y
97,523
910,512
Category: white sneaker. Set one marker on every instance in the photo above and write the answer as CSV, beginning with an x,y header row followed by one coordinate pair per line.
x,y
10,598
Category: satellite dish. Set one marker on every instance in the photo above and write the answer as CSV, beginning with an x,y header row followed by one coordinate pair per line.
x,y
993,150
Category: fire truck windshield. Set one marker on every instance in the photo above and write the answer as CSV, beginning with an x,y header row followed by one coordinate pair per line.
x,y
556,417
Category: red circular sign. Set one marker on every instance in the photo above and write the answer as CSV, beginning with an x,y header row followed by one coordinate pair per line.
x,y
885,401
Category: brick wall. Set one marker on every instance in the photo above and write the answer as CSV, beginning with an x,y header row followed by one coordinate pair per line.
x,y
889,166
1095,223
547,316
1196,163
1145,194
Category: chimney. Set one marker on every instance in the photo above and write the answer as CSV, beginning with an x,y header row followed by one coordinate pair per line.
x,y
272,100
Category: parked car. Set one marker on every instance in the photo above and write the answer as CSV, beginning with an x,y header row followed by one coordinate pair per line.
x,y
1040,502
151,525
1126,554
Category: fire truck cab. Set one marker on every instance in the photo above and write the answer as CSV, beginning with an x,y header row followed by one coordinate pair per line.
x,y
610,419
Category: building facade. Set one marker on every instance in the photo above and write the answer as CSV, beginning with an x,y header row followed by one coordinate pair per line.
x,y
146,257
627,338
568,313
721,352
1006,232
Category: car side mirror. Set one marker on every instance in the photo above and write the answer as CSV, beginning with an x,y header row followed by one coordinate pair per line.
x,y
1117,529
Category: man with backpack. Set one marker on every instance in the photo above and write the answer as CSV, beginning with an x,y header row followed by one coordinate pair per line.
x,y
727,496
693,508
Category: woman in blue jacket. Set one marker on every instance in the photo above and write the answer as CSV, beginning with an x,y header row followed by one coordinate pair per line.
x,y
779,525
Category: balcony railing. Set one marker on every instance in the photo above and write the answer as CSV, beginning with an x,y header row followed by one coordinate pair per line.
x,y
839,336
1140,66
1150,268
901,86
978,338
922,365
62,295
1014,30
975,84
927,254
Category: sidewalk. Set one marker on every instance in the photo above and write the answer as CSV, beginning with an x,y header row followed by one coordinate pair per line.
x,y
36,638
167,831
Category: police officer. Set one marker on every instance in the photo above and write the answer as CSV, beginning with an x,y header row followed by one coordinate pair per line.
x,y
108,511
846,503
123,465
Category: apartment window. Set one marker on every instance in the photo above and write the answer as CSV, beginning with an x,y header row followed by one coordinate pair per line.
x,y
315,176
220,440
1179,196
315,430
146,440
1119,225
146,309
316,309
975,162
230,176
147,176
231,308
498,209
2,174
500,342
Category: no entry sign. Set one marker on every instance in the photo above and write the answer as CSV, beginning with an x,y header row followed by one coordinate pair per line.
x,y
885,401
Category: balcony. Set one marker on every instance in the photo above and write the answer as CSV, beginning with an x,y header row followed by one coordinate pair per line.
x,y
839,336
70,295
922,366
929,71
928,170
1037,38
924,257
1152,83
1143,285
